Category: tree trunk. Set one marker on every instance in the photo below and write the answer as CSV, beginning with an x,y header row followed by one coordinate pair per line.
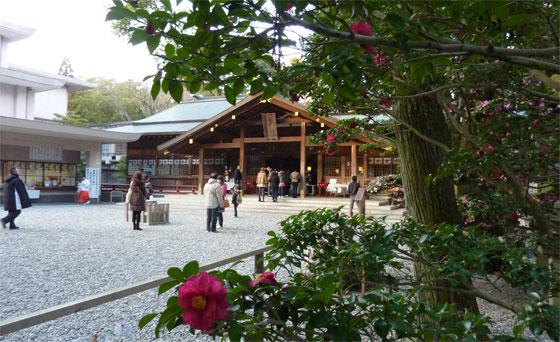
x,y
428,204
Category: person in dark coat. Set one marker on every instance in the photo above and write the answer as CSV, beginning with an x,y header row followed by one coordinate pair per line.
x,y
237,175
235,198
137,199
16,198
273,183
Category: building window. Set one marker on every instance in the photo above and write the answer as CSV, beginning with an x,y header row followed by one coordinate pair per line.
x,y
37,175
332,166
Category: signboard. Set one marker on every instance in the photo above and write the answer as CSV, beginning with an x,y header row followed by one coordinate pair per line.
x,y
45,153
93,174
387,161
269,126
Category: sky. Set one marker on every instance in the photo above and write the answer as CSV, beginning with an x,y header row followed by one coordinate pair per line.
x,y
75,29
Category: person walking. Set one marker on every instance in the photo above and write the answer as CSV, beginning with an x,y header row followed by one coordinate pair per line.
x,y
237,175
223,194
235,198
352,192
261,184
83,189
282,184
137,202
295,178
213,200
16,198
273,183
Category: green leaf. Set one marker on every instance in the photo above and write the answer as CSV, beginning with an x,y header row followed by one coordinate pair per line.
x,y
395,20
167,286
328,98
230,94
269,92
119,13
153,42
166,4
176,91
175,272
256,86
190,269
169,51
234,332
155,88
146,319
381,327
347,92
137,37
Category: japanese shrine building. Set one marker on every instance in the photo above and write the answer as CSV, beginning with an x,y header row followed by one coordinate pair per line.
x,y
183,144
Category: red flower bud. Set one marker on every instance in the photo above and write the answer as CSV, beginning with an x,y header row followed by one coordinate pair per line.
x,y
479,152
537,122
289,7
387,103
490,148
149,29
514,217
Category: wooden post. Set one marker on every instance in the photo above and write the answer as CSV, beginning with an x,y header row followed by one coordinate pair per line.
x,y
302,160
365,166
200,170
354,160
319,169
343,166
242,156
189,167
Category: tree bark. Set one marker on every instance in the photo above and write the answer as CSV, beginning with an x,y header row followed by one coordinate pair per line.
x,y
428,203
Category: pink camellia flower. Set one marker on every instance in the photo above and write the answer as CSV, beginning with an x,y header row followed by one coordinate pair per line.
x,y
361,27
507,106
387,103
541,103
265,278
489,148
531,103
465,199
537,122
331,138
204,298
364,29
498,109
479,152
514,217
484,103
285,287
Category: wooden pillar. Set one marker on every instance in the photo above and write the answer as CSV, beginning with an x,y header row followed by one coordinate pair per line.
x,y
343,166
242,156
189,166
354,160
319,168
302,159
365,166
200,170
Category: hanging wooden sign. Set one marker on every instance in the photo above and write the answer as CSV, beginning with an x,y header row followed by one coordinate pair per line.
x,y
269,126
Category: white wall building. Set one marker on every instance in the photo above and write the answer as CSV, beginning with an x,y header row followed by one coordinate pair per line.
x,y
31,94
47,153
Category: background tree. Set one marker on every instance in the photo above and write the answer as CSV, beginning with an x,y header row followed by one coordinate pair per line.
x,y
65,68
113,101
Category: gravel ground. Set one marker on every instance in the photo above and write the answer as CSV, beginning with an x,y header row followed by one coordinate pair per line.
x,y
66,252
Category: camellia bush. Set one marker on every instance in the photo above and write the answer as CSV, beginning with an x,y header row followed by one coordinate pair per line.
x,y
346,279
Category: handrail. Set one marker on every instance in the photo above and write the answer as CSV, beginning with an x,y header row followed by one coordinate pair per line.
x,y
52,313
